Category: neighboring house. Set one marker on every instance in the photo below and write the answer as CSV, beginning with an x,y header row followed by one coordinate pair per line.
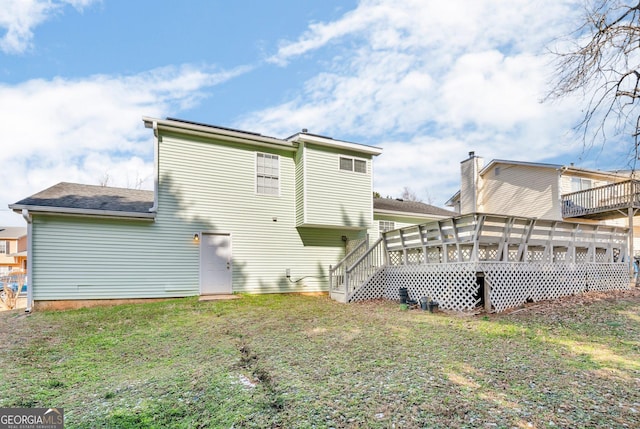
x,y
232,211
13,249
517,188
531,189
390,214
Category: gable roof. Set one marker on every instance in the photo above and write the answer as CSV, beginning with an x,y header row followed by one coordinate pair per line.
x,y
409,208
74,198
291,143
12,232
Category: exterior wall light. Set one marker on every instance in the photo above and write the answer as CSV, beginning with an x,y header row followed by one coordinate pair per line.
x,y
196,237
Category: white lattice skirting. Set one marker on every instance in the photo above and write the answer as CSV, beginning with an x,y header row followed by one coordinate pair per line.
x,y
455,286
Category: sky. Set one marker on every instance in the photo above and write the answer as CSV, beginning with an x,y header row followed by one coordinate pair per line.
x,y
428,81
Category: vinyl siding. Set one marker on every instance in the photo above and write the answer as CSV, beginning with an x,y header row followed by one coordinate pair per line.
x,y
300,157
335,197
399,222
204,185
518,190
221,197
90,258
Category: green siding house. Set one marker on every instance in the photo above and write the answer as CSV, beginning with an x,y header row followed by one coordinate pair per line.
x,y
231,211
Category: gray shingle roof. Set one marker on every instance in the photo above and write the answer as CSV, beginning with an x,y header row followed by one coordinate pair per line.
x,y
89,197
410,207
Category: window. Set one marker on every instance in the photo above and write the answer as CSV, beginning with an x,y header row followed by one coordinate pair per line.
x,y
359,166
580,184
351,164
386,225
267,174
4,247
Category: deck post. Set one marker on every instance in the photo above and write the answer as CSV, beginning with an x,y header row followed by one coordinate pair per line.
x,y
630,239
330,278
487,295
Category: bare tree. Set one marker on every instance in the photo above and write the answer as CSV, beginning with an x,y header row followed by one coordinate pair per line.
x,y
409,195
104,180
601,60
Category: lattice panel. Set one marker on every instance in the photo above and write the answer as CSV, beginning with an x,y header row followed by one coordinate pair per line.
x,y
466,252
433,255
414,256
511,283
601,255
560,254
558,280
395,258
372,289
604,277
582,254
452,285
488,253
536,254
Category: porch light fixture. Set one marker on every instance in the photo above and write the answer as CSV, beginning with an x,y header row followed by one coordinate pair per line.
x,y
196,237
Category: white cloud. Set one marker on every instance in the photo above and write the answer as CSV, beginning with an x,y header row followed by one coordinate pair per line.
x,y
83,130
429,81
19,17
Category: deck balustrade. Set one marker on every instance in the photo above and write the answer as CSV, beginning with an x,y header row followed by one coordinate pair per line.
x,y
602,201
516,258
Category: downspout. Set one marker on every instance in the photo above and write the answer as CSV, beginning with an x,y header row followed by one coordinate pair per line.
x,y
156,167
27,217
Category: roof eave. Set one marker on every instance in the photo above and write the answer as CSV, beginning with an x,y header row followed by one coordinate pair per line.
x,y
328,142
411,214
221,133
83,212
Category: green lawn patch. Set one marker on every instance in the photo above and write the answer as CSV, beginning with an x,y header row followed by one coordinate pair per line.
x,y
290,361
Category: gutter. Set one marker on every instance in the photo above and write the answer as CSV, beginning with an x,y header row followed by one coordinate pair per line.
x,y
27,217
328,142
81,212
221,133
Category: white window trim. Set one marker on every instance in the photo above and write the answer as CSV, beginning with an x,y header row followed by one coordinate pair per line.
x,y
353,168
255,175
391,222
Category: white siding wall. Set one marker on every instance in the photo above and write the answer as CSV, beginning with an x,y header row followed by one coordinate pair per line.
x,y
518,190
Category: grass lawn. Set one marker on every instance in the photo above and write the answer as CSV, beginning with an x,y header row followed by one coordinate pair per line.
x,y
289,361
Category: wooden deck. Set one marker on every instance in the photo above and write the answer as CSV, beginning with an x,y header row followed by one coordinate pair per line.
x,y
604,202
493,260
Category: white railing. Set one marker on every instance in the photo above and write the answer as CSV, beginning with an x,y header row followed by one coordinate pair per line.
x,y
367,265
361,263
337,272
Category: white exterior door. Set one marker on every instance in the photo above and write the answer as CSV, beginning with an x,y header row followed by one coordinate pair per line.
x,y
215,264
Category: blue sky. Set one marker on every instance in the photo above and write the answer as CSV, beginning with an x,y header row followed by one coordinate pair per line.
x,y
428,81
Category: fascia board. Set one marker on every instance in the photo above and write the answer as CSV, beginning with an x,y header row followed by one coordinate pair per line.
x,y
223,134
82,212
323,141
